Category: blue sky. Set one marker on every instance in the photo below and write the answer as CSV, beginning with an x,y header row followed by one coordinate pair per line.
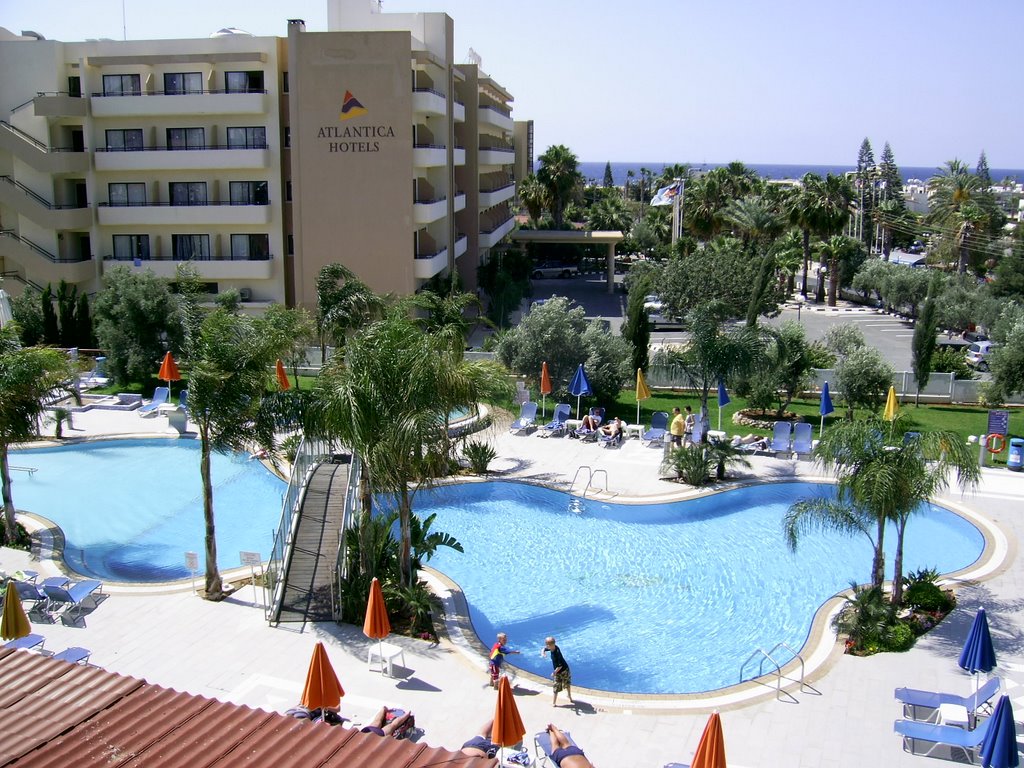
x,y
792,81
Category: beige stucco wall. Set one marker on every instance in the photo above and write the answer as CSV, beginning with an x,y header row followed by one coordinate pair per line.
x,y
352,178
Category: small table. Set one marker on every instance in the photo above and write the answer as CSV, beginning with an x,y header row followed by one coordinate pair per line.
x,y
386,654
634,430
571,425
716,435
954,714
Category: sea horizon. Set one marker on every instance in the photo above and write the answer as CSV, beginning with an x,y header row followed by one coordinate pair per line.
x,y
594,170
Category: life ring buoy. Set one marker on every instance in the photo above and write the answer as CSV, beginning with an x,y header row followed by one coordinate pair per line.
x,y
995,443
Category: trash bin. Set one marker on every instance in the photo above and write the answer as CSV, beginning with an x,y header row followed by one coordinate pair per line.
x,y
1016,457
101,366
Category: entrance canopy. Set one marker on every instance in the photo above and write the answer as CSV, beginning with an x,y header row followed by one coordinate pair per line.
x,y
580,236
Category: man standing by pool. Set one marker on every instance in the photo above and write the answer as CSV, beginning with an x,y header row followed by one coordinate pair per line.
x,y
561,675
497,658
677,428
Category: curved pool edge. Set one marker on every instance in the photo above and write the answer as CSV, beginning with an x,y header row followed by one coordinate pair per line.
x,y
820,651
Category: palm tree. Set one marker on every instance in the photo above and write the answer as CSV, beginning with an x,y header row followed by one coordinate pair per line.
x,y
534,197
706,197
559,174
953,195
833,252
758,224
609,213
344,303
28,377
880,480
230,357
888,215
788,254
387,400
803,213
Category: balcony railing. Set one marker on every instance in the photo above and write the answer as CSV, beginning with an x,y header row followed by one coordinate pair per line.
x,y
429,90
34,141
497,148
178,205
432,254
498,188
39,198
111,257
42,251
417,145
180,149
430,200
495,109
183,92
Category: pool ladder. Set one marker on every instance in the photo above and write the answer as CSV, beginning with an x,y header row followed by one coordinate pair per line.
x,y
776,668
592,474
30,470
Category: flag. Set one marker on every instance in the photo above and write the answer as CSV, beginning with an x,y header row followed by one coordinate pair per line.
x,y
666,195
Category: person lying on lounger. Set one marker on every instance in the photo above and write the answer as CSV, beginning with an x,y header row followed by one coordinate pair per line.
x,y
481,744
751,442
396,727
613,428
564,753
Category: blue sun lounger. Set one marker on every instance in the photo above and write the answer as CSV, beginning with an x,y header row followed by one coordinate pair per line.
x,y
73,655
527,417
659,425
941,736
780,437
803,437
73,597
542,746
160,395
25,643
912,699
557,424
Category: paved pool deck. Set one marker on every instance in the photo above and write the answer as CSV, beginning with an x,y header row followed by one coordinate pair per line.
x,y
227,651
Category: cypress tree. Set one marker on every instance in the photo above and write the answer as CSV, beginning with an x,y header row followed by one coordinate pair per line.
x,y
923,343
609,180
67,299
891,176
865,189
982,172
637,329
51,328
83,324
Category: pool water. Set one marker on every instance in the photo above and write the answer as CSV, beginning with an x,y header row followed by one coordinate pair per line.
x,y
130,509
661,598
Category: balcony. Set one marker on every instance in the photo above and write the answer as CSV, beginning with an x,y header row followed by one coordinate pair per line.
x,y
167,104
426,211
459,111
496,156
429,155
60,105
460,201
40,210
459,156
214,157
430,264
494,117
38,155
40,265
427,101
492,238
460,245
495,196
165,214
214,269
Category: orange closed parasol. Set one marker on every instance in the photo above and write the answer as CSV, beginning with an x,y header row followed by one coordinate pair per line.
x,y
282,377
711,749
322,687
376,625
508,729
14,623
545,387
169,372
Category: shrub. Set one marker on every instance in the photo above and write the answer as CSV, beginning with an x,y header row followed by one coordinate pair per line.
x,y
22,540
690,463
927,596
899,638
479,454
290,447
948,360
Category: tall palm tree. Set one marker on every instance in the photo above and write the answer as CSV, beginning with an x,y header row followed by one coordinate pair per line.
x,y
880,478
560,175
758,224
344,303
534,197
609,213
887,215
953,196
832,253
804,214
706,197
28,377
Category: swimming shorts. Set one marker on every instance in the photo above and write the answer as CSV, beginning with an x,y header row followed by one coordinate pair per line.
x,y
373,729
560,754
482,743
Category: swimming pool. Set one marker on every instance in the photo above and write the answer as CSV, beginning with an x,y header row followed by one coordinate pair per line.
x,y
661,598
130,509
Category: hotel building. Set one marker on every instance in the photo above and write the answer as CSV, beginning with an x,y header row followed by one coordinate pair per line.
x,y
257,159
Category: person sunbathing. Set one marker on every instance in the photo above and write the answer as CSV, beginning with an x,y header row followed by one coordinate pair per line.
x,y
396,727
613,428
481,744
564,753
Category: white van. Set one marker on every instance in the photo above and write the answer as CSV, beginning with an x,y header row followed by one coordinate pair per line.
x,y
979,354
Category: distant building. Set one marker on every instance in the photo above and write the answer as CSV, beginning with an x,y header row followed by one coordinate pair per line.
x,y
258,159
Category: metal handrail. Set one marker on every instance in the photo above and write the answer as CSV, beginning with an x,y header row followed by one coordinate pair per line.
x,y
111,257
591,474
496,148
438,252
349,519
181,149
760,670
30,470
42,251
12,275
429,201
31,139
796,656
495,109
498,226
429,146
176,205
429,90
188,92
498,189
39,198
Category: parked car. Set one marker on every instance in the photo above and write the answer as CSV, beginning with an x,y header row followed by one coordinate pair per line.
x,y
979,354
554,269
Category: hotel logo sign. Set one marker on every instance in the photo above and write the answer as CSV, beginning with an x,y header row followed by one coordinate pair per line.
x,y
354,138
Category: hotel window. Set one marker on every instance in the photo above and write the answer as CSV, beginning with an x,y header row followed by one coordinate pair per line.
x,y
287,136
247,138
179,83
121,85
127,194
186,138
243,82
124,140
250,247
131,247
291,245
284,81
191,247
288,191
74,85
249,193
187,192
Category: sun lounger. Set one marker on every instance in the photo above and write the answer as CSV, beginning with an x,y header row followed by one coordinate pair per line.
x,y
698,431
527,417
659,425
557,424
29,593
590,435
781,438
72,598
542,747
25,643
73,655
913,699
160,395
611,441
803,438
941,736
183,400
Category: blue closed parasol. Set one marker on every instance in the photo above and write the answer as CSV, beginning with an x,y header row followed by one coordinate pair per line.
x,y
579,387
999,749
723,400
978,654
826,407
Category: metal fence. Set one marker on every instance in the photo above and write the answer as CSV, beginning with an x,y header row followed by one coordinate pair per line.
x,y
349,519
